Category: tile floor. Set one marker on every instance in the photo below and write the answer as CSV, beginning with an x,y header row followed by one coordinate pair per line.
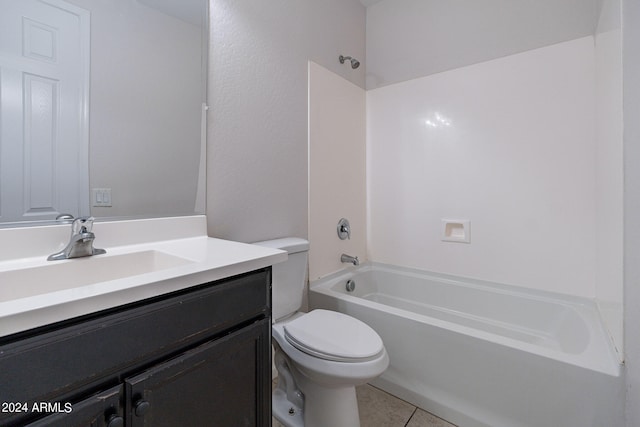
x,y
381,409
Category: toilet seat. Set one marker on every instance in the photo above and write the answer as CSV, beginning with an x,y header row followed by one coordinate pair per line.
x,y
333,336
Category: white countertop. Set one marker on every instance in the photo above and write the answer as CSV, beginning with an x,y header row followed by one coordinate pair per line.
x,y
31,295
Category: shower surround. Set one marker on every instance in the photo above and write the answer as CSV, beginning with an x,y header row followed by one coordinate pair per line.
x,y
526,149
510,145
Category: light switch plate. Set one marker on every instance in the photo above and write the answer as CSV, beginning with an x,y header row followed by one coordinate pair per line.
x,y
101,197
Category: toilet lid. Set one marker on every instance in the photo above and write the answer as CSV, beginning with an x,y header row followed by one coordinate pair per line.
x,y
333,336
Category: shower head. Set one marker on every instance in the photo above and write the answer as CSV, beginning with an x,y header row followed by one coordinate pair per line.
x,y
354,62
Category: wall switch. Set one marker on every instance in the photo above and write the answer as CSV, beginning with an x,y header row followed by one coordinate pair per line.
x,y
456,230
101,197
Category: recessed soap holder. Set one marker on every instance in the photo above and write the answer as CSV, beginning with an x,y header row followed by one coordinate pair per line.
x,y
456,230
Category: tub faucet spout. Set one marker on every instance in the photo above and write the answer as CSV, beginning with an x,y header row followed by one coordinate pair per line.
x,y
349,259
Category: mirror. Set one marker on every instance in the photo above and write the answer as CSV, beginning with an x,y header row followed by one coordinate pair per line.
x,y
102,107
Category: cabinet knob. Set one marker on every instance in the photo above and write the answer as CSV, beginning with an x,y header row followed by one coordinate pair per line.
x,y
140,407
115,421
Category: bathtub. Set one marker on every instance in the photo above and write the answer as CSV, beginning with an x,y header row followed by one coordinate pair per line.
x,y
483,354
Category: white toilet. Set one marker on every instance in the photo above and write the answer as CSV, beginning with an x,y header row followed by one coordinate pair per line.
x,y
321,355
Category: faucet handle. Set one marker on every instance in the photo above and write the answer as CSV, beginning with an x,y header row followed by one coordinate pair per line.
x,y
344,229
82,224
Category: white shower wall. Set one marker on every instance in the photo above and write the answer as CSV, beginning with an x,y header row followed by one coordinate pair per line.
x,y
527,148
337,183
517,159
609,170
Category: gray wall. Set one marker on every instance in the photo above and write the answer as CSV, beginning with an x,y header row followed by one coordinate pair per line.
x,y
257,123
631,70
145,104
407,39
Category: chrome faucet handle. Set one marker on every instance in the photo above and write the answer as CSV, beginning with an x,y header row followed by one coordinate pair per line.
x,y
82,224
344,229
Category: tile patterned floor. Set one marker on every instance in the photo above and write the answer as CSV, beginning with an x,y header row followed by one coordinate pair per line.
x,y
381,409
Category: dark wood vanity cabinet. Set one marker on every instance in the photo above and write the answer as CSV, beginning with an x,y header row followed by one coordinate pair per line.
x,y
100,410
199,357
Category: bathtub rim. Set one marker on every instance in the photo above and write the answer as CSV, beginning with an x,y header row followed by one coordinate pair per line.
x,y
604,360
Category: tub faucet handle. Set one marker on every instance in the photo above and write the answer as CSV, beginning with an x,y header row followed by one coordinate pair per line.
x,y
344,229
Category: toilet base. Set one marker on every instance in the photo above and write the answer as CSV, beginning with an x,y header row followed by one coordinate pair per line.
x,y
330,406
298,401
323,407
286,412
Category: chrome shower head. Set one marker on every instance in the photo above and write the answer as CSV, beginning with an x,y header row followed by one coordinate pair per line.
x,y
354,62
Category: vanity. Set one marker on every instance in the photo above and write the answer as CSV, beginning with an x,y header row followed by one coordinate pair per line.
x,y
168,328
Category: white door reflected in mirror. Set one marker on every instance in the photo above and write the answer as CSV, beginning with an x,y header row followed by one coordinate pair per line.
x,y
44,77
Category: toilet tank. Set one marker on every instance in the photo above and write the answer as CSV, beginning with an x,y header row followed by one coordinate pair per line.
x,y
290,277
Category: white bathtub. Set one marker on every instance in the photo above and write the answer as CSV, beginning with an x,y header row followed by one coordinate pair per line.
x,y
483,354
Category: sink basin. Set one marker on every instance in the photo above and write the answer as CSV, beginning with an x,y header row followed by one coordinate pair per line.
x,y
68,274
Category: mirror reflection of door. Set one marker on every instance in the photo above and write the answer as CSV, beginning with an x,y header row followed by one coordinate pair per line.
x,y
44,92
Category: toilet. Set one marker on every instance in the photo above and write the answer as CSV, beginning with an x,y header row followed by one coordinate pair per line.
x,y
320,356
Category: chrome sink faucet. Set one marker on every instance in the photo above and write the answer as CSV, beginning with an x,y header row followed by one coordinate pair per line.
x,y
81,243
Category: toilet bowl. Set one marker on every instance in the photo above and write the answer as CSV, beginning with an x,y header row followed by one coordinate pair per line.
x,y
320,356
318,369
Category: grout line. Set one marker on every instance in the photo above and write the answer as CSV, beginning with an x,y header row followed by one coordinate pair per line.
x,y
415,409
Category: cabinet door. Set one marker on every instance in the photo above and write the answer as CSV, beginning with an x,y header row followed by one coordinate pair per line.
x,y
226,382
101,410
71,360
